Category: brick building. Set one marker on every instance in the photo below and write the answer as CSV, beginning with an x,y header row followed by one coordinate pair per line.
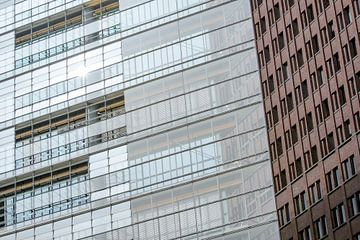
x,y
310,71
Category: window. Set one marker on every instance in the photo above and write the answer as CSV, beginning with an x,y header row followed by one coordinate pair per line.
x,y
354,204
267,54
324,36
333,179
309,121
295,27
352,90
347,15
288,142
265,89
340,135
61,180
330,28
294,135
325,108
304,89
285,4
289,101
285,69
320,227
305,234
269,120
329,68
349,168
338,215
300,203
334,100
357,121
263,25
300,57
342,96
314,154
271,84
257,30
320,76
292,171
319,116
302,127
347,129
277,183
357,81
298,167
261,58
346,53
271,17
331,142
291,3
336,60
309,52
289,32
275,114
326,3
275,46
281,40
357,236
315,44
313,80
357,6
353,51
315,192
304,21
340,21
310,13
277,11
307,160
284,214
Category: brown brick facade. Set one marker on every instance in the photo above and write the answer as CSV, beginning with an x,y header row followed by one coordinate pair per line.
x,y
309,55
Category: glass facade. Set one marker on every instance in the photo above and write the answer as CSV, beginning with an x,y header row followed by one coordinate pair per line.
x,y
132,119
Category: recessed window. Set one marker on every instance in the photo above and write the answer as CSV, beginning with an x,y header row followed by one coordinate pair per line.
x,y
330,28
347,15
354,204
281,40
333,179
315,192
305,234
295,27
338,215
284,214
277,11
320,227
309,122
352,45
349,168
300,203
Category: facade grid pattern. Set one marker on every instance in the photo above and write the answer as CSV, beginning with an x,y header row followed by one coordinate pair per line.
x,y
132,119
310,75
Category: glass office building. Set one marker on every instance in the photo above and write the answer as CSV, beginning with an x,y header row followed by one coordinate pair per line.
x,y
132,119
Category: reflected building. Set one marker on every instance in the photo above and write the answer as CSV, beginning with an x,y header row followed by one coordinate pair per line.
x,y
132,120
